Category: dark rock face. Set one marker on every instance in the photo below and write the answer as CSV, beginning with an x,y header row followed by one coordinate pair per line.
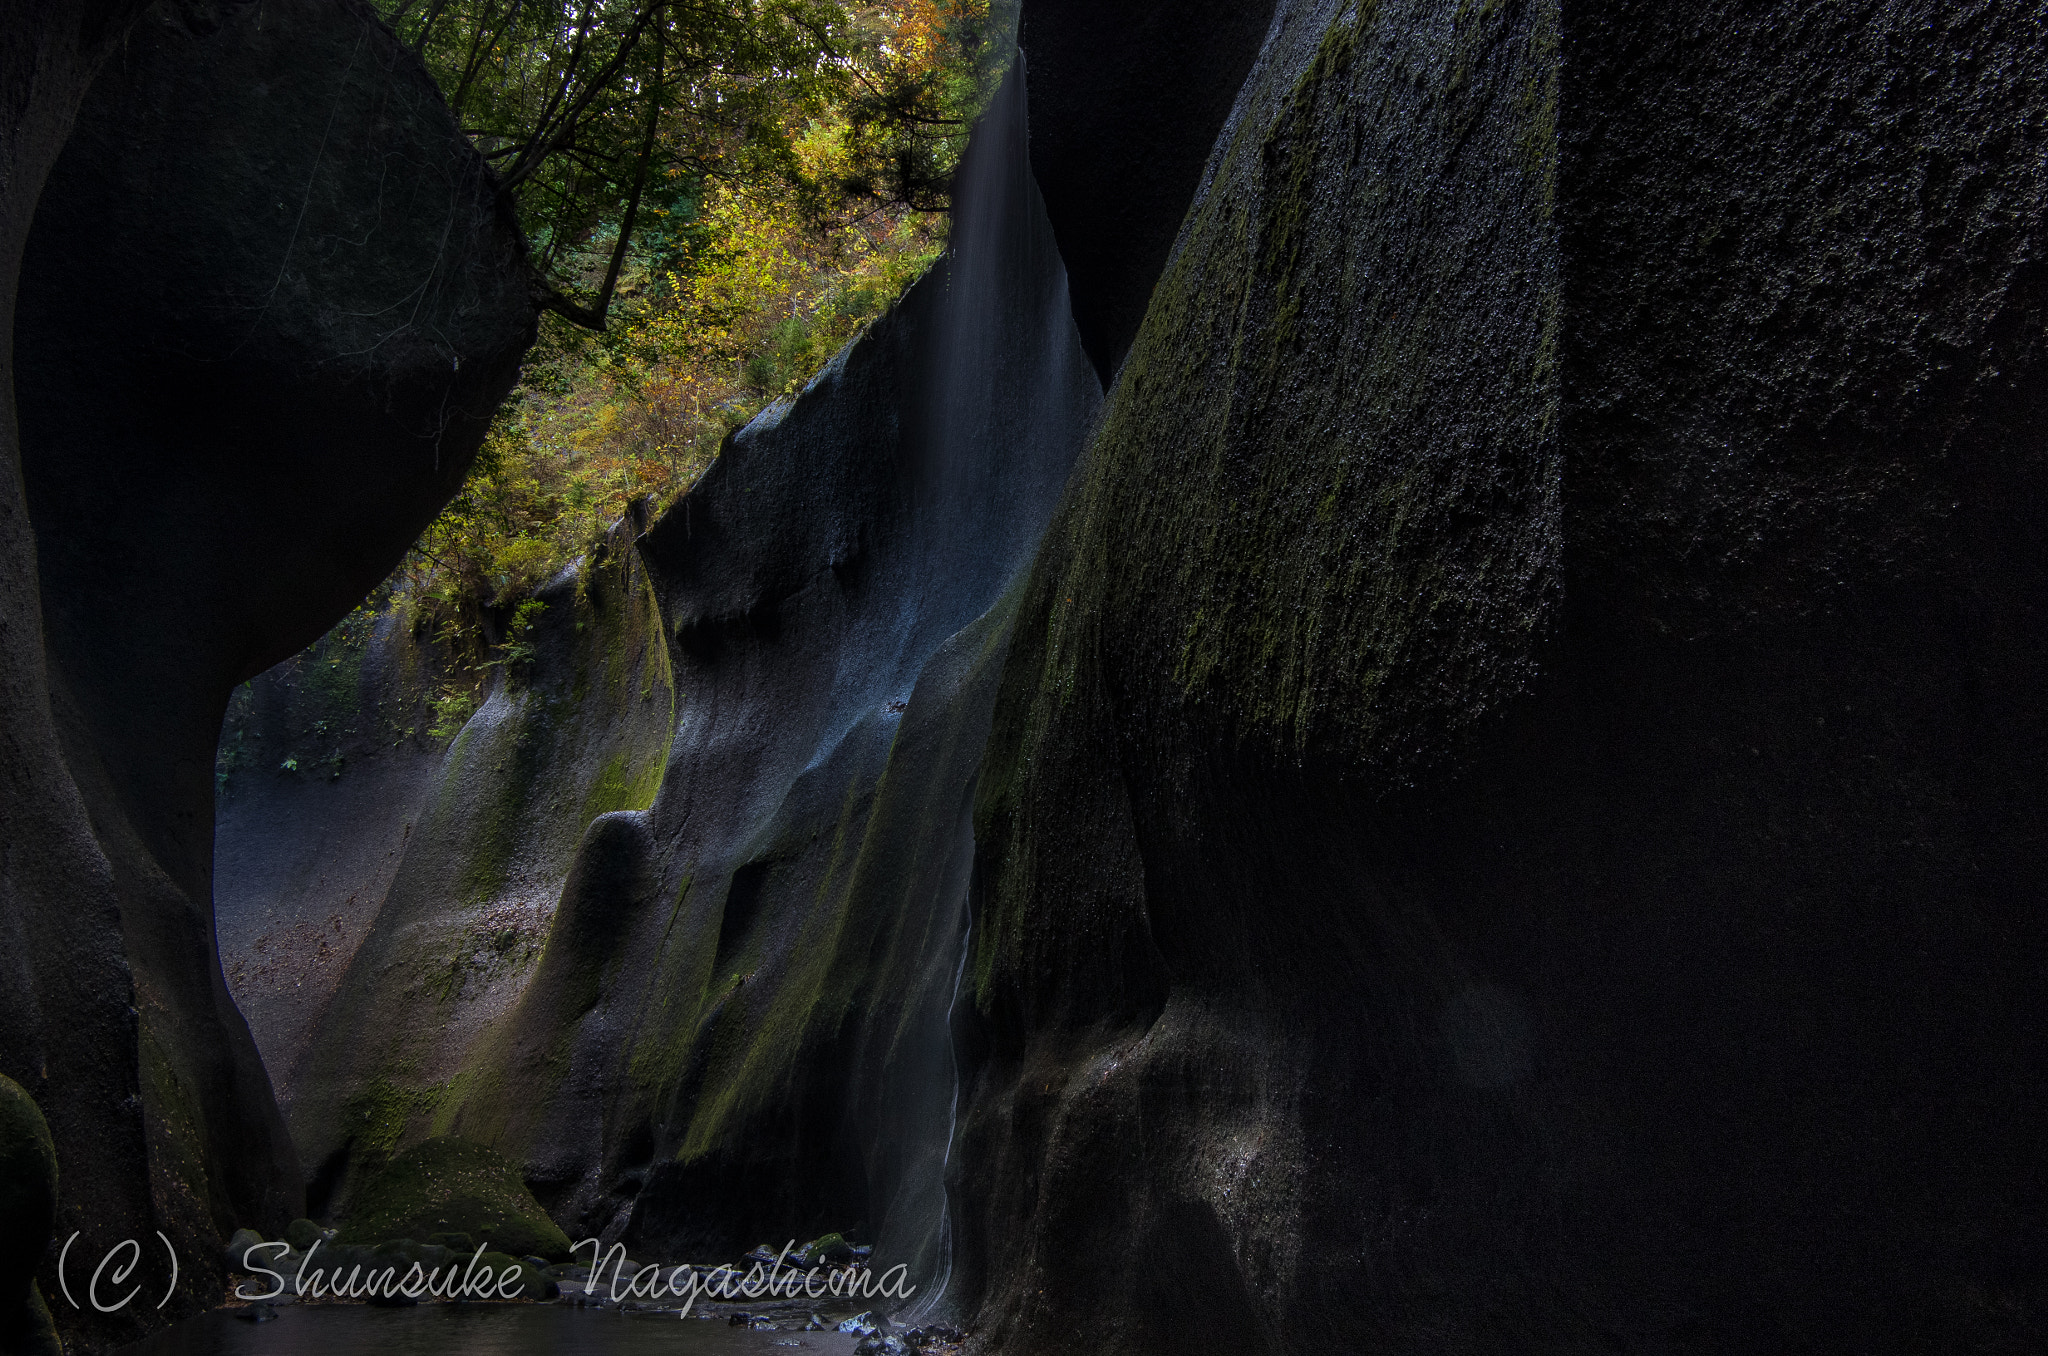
x,y
267,306
327,764
1514,818
1129,101
67,1029
449,1186
28,1202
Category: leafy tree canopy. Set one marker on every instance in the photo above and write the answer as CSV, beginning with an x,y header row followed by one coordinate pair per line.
x,y
718,193
613,117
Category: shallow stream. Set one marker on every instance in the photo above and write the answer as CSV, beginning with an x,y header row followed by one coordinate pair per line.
x,y
476,1330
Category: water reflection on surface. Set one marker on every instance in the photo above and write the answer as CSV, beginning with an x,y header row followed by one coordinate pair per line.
x,y
476,1330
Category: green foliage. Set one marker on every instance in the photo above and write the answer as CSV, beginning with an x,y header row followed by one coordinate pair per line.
x,y
518,647
915,97
453,705
736,187
611,119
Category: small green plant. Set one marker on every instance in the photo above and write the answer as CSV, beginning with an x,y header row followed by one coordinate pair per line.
x,y
453,705
289,765
519,643
232,754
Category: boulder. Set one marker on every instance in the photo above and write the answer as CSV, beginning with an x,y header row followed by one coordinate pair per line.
x,y
237,1253
448,1186
515,1278
304,1233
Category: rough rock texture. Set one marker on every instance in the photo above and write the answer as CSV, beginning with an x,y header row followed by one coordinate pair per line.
x,y
239,392
577,731
1130,98
839,588
326,765
1515,816
450,1186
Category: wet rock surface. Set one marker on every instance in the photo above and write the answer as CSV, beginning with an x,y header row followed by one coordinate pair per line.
x,y
732,1020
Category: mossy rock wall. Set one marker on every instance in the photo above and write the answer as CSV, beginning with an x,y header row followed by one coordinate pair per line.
x,y
1513,819
475,863
738,1029
449,1185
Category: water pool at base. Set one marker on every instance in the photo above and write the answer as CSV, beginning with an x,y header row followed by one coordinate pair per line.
x,y
476,1330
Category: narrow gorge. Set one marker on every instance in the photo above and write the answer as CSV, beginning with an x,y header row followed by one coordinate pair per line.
x,y
1394,708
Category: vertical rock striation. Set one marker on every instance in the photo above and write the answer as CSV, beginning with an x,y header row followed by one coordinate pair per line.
x,y
840,588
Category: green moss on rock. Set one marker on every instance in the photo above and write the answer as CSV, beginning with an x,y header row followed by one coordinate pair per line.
x,y
532,1285
450,1185
621,786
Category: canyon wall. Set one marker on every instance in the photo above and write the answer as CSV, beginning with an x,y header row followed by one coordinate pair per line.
x,y
1487,797
722,1016
267,305
425,887
1513,818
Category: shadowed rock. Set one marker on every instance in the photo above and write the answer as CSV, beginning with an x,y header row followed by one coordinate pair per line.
x,y
1515,817
1130,98
28,1202
269,302
67,1023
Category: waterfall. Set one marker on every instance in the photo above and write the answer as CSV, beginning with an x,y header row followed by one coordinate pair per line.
x,y
1005,369
934,1292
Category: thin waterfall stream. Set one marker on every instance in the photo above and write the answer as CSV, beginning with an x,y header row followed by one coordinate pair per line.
x,y
935,1290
